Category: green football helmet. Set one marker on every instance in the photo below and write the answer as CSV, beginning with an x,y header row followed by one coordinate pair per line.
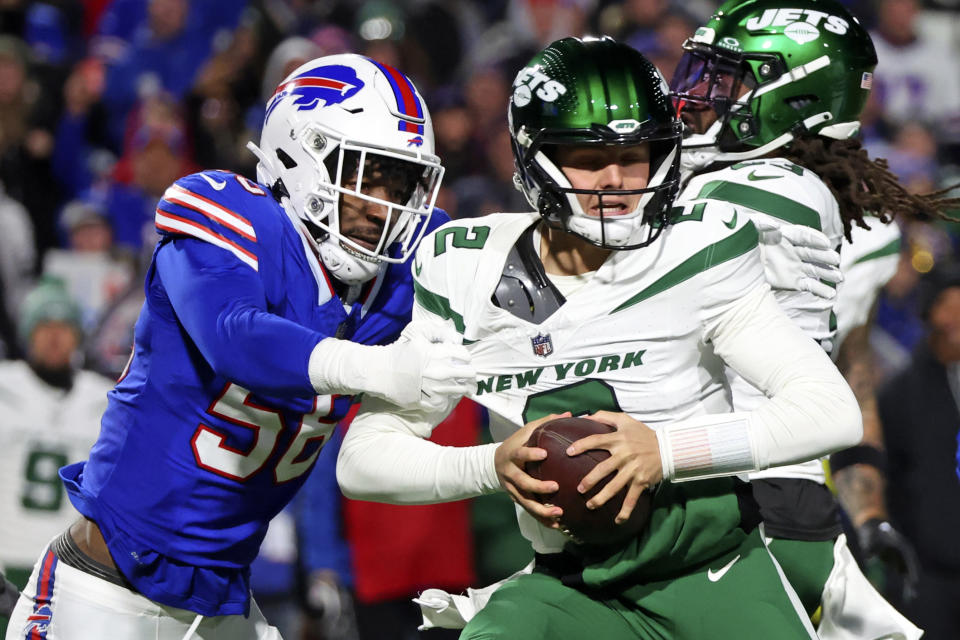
x,y
762,72
594,91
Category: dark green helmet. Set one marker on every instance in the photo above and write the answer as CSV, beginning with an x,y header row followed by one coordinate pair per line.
x,y
594,91
773,70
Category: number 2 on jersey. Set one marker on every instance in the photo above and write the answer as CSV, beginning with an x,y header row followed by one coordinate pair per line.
x,y
579,398
235,405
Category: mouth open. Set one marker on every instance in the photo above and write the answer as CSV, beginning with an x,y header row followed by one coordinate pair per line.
x,y
609,209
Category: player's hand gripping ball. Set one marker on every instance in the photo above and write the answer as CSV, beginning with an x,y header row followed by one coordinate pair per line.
x,y
583,525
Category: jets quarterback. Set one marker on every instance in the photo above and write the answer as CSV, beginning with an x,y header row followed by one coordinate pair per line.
x,y
608,301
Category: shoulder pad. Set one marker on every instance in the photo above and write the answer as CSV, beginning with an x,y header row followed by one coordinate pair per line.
x,y
449,269
218,207
707,225
771,186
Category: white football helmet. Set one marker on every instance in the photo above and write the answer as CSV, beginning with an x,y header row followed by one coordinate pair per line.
x,y
330,121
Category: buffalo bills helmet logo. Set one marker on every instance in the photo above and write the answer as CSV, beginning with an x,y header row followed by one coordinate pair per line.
x,y
39,620
318,87
415,142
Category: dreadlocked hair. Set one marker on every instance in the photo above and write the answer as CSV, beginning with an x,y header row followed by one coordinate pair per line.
x,y
863,186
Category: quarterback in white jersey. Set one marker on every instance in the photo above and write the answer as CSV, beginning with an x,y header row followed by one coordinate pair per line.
x,y
607,302
50,416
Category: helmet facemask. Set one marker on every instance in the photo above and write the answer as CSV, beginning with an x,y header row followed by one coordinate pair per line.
x,y
713,90
550,191
343,167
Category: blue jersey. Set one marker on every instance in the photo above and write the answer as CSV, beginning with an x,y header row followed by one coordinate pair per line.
x,y
215,425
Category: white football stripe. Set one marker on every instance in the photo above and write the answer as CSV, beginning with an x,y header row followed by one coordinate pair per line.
x,y
195,230
179,195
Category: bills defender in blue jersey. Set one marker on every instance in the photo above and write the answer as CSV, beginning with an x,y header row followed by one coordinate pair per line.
x,y
266,307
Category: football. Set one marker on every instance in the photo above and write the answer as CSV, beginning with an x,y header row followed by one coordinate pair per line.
x,y
583,525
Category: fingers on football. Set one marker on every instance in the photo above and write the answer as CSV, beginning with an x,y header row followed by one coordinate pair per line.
x,y
600,471
597,441
547,514
630,501
519,478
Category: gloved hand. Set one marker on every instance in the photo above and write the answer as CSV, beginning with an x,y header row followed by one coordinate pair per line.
x,y
427,365
798,258
879,540
329,608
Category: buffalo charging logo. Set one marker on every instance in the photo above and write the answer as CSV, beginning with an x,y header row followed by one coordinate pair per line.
x,y
318,87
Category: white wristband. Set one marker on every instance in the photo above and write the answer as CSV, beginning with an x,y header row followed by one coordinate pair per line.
x,y
706,447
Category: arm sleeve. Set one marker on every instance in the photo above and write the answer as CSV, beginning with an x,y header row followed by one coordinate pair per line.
x,y
810,410
221,303
385,458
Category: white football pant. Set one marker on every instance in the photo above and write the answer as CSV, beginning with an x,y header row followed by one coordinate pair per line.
x,y
63,603
854,610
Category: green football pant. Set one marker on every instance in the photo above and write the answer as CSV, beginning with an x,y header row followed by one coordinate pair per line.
x,y
807,566
739,595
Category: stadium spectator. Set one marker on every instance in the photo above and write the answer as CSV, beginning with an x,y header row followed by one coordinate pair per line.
x,y
51,415
93,270
920,410
27,114
157,152
159,46
917,79
18,254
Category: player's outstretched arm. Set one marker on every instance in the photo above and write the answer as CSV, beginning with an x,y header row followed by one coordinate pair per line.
x,y
425,365
222,305
385,457
810,410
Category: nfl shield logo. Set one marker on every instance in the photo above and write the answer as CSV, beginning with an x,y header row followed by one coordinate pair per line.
x,y
542,345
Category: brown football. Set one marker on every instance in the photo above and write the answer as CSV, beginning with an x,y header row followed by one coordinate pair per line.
x,y
585,526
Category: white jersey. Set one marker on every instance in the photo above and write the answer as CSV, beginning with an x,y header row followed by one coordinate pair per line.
x,y
867,264
785,194
654,362
41,429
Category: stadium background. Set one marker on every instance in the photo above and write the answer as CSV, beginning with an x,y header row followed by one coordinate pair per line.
x,y
103,103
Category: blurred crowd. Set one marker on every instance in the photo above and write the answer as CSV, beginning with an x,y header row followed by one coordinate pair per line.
x,y
104,103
